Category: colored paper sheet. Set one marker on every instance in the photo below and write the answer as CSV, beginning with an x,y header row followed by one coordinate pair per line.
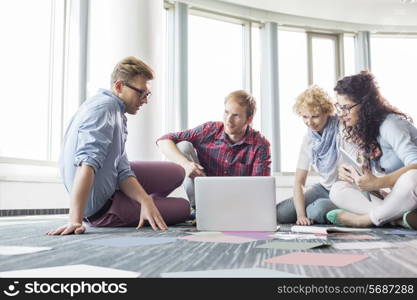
x,y
257,235
131,241
298,236
293,245
317,259
363,245
217,238
232,273
72,271
401,232
16,250
344,236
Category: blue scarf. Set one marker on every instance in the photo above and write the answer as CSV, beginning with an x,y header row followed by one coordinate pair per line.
x,y
324,150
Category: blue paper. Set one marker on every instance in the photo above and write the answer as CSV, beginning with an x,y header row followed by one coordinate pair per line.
x,y
402,232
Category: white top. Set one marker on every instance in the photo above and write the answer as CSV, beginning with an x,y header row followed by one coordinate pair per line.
x,y
306,154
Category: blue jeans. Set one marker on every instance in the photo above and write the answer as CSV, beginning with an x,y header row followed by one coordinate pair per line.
x,y
317,204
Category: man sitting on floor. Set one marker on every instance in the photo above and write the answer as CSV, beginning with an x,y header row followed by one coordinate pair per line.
x,y
105,189
228,148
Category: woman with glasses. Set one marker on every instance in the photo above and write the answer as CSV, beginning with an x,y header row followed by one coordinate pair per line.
x,y
319,150
387,148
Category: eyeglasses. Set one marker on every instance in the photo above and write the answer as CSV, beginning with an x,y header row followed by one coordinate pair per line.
x,y
344,108
142,94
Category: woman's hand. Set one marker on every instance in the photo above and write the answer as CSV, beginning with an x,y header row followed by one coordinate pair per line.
x,y
367,182
304,221
347,173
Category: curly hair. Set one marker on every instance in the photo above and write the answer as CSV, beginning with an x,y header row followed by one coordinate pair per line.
x,y
314,99
362,88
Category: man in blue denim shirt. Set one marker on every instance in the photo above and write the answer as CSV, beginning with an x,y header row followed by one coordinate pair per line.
x,y
104,186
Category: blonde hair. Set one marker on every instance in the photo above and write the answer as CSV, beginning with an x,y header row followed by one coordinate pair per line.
x,y
314,99
130,67
244,99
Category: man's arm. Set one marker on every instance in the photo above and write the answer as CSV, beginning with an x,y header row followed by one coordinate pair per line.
x,y
171,151
262,162
83,181
149,212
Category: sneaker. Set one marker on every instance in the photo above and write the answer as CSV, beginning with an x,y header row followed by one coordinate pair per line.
x,y
410,219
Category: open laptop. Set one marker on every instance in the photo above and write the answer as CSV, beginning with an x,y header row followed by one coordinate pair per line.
x,y
235,203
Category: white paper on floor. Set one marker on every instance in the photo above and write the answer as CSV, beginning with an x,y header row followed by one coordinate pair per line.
x,y
72,271
16,250
297,236
363,245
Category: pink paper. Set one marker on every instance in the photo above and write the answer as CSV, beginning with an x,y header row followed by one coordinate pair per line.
x,y
317,259
258,235
220,238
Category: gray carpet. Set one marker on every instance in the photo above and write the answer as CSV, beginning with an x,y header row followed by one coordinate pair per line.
x,y
182,255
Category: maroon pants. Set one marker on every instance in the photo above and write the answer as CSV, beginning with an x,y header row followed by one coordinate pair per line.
x,y
158,179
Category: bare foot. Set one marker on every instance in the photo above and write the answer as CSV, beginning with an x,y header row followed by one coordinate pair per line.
x,y
354,220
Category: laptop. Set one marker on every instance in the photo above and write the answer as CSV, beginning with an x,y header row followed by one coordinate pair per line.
x,y
235,203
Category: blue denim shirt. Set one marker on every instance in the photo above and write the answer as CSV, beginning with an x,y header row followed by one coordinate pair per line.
x,y
96,136
398,141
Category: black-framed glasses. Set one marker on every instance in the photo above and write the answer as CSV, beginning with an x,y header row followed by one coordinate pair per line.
x,y
344,108
142,94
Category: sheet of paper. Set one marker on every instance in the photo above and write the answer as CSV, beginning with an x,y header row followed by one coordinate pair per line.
x,y
232,273
16,250
72,271
363,245
257,235
293,245
317,259
131,241
217,238
326,229
298,236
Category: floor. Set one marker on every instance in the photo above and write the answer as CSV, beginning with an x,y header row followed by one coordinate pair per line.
x,y
184,255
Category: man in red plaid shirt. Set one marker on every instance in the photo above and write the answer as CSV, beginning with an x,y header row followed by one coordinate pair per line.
x,y
228,148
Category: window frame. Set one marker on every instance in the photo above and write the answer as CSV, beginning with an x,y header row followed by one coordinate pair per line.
x,y
72,17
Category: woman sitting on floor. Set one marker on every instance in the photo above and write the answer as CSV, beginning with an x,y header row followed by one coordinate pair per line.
x,y
318,149
387,143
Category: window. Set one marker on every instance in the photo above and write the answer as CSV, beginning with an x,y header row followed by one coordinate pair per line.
x,y
323,56
394,64
215,67
293,71
256,74
349,54
33,65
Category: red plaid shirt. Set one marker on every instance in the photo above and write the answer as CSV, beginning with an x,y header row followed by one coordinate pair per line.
x,y
251,156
